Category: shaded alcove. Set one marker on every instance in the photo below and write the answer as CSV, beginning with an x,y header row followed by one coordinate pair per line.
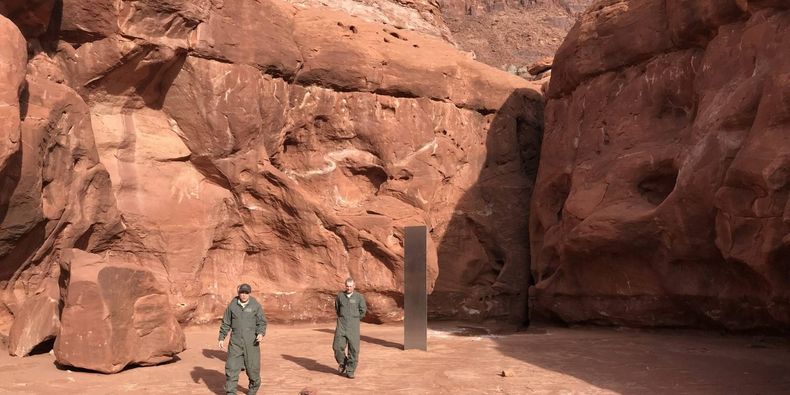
x,y
658,183
484,258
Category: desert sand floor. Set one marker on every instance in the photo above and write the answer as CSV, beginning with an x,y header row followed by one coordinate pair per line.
x,y
462,359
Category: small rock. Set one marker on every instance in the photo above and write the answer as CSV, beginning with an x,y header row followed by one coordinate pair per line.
x,y
541,66
507,373
308,391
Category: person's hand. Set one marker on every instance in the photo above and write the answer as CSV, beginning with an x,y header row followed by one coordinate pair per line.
x,y
222,344
259,338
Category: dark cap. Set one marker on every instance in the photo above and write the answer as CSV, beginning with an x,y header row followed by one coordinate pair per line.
x,y
245,289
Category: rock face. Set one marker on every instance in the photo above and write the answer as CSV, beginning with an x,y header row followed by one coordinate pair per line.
x,y
423,16
12,59
117,302
33,17
36,324
169,150
511,34
507,34
662,196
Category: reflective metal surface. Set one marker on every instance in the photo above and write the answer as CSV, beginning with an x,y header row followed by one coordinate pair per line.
x,y
415,300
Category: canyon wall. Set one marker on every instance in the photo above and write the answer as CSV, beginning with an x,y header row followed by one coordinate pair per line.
x,y
160,152
662,195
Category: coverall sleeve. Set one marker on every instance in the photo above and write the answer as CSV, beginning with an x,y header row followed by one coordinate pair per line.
x,y
224,327
260,322
337,305
363,307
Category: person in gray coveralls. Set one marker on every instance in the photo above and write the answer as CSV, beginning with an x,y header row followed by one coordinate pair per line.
x,y
350,308
245,319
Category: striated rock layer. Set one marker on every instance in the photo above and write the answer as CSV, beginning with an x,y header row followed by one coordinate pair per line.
x,y
662,196
511,34
161,152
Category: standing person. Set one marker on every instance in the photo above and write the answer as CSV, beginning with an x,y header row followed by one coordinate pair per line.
x,y
350,308
245,319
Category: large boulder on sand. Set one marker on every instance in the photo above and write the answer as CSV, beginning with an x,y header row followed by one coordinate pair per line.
x,y
116,313
37,322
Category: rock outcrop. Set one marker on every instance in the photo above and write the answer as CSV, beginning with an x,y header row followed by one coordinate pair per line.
x,y
422,16
12,59
662,196
177,148
115,313
511,34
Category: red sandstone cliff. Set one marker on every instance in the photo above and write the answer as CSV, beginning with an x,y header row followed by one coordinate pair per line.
x,y
662,196
159,152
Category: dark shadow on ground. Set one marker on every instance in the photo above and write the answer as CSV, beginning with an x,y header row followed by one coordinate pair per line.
x,y
60,366
217,354
310,364
381,342
368,339
642,361
43,348
214,380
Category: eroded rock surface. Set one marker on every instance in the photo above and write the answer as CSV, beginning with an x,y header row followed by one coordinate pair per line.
x,y
511,34
662,196
116,313
178,148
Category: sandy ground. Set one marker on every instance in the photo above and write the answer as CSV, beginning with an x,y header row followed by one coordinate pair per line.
x,y
462,359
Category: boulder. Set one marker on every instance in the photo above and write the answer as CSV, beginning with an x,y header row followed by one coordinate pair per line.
x,y
37,322
115,314
541,66
13,59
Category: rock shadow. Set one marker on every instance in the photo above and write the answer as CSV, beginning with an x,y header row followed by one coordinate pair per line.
x,y
484,256
43,348
128,367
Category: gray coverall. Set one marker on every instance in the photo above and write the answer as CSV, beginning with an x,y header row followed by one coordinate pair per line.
x,y
246,323
349,311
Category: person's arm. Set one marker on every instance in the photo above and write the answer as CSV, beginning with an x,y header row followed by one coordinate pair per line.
x,y
363,308
337,305
260,322
224,327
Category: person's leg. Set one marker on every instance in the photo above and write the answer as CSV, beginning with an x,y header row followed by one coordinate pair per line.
x,y
353,355
339,347
233,367
252,361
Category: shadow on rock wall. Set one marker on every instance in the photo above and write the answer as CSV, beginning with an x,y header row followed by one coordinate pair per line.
x,y
662,198
484,258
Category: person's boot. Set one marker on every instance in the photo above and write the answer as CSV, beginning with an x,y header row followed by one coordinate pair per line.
x,y
342,367
350,375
